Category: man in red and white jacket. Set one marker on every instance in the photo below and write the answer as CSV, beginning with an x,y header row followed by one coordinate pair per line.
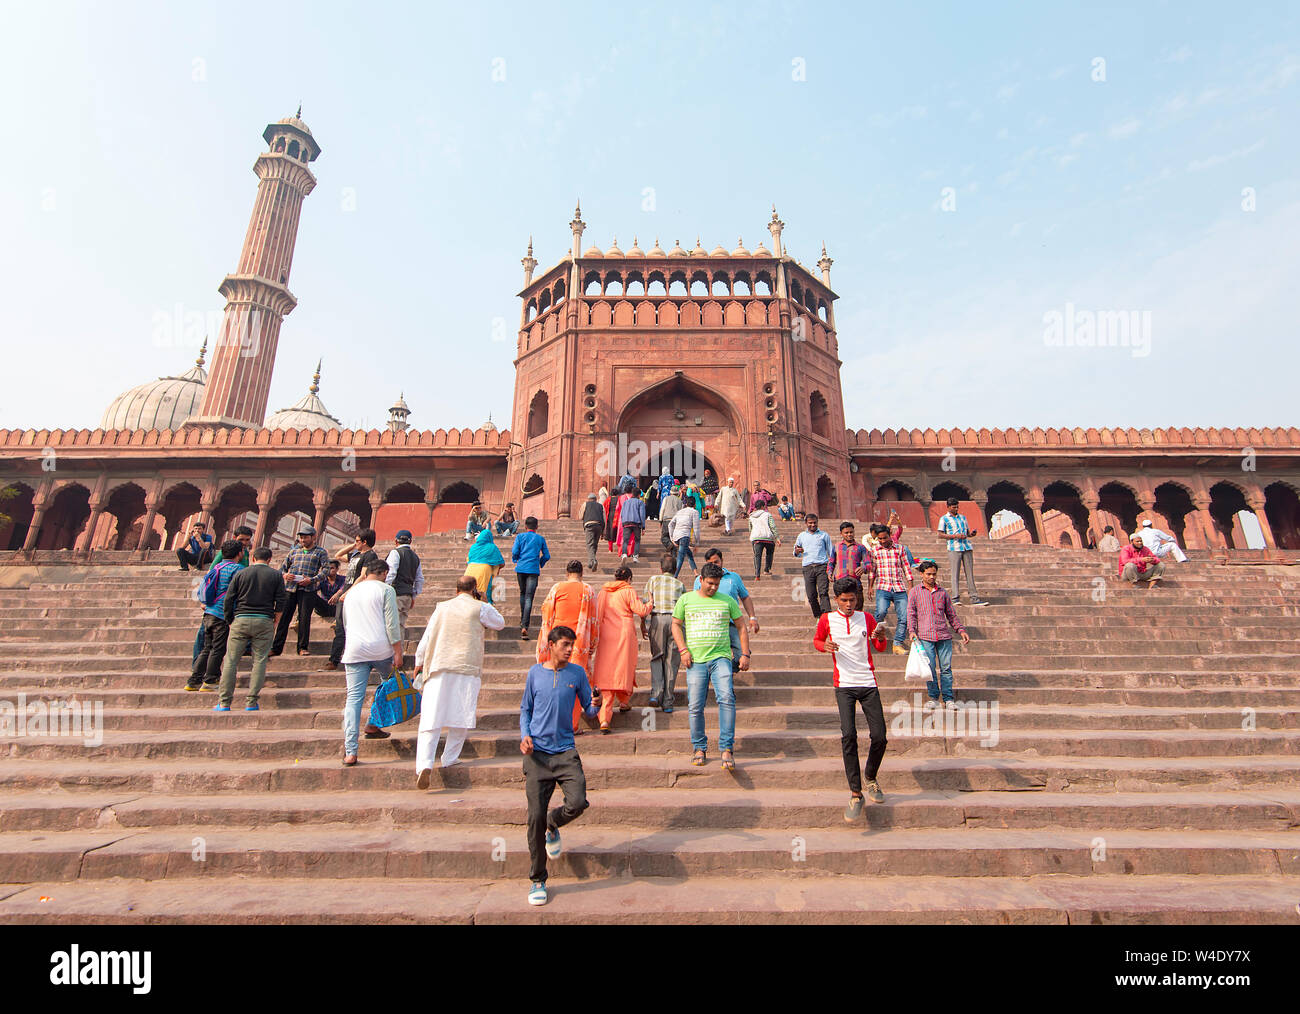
x,y
847,633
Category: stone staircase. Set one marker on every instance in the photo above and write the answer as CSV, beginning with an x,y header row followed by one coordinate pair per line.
x,y
1145,767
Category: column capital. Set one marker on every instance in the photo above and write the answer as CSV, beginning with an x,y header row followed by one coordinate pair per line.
x,y
1090,503
1201,503
1255,502
1034,503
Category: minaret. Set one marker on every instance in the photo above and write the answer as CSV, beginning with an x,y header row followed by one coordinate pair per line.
x,y
578,226
774,227
825,264
529,262
257,294
397,415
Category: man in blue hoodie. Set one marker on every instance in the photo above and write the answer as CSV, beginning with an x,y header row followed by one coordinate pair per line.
x,y
550,759
529,554
206,671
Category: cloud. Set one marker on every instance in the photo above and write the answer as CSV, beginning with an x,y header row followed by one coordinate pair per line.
x,y
1003,134
1066,159
1007,92
1179,55
1196,165
1058,73
889,119
1126,129
1078,139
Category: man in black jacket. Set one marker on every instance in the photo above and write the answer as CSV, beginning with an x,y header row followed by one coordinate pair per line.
x,y
593,523
255,599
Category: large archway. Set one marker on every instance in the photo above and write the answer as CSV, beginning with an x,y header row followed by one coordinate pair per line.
x,y
1282,509
680,424
16,504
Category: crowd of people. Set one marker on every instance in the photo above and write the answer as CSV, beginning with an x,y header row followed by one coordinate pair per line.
x,y
586,659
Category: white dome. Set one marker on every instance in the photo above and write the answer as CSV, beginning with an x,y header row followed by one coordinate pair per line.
x,y
308,413
162,404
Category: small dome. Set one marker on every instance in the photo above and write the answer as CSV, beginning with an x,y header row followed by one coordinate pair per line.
x,y
614,251
740,250
593,251
635,251
308,413
490,426
657,250
761,250
719,251
162,404
677,250
698,250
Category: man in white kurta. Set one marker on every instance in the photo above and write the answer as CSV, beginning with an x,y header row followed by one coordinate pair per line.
x,y
729,503
1160,542
448,662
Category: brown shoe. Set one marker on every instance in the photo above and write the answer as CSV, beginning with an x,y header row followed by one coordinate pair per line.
x,y
899,651
422,779
350,761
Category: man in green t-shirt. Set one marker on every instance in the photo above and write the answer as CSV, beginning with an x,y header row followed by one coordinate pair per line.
x,y
702,622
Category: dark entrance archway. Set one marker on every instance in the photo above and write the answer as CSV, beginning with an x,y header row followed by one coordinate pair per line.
x,y
1282,509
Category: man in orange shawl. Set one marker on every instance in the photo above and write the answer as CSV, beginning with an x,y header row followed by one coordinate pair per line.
x,y
615,669
571,603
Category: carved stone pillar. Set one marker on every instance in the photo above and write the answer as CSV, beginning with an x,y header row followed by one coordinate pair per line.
x,y
34,529
1213,537
263,519
320,501
1256,504
87,537
1036,509
146,528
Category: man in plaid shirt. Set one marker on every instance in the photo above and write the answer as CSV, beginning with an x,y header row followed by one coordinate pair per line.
x,y
306,569
953,524
891,578
932,620
848,559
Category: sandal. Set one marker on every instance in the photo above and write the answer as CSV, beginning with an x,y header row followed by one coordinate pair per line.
x,y
699,758
728,761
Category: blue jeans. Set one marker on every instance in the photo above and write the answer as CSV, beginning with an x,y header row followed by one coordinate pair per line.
x,y
698,678
899,599
507,527
358,675
940,655
683,554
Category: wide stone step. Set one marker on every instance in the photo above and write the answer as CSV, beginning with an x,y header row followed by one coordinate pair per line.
x,y
500,851
1270,810
1060,899
903,773
192,712
325,690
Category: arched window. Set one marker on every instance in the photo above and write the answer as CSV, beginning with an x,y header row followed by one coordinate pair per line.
x,y
819,414
293,149
537,415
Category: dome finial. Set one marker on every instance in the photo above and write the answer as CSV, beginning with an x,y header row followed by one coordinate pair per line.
x,y
203,352
298,114
315,380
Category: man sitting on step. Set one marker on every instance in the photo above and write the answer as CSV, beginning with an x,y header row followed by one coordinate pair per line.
x,y
1137,563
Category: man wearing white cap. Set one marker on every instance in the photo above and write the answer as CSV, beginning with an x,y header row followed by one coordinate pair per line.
x,y
729,503
1160,542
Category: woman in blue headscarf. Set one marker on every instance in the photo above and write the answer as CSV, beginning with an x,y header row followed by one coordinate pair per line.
x,y
666,482
485,560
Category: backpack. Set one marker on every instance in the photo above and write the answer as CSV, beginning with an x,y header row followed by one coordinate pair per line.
x,y
208,593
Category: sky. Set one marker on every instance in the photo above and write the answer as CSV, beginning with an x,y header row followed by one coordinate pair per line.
x,y
985,176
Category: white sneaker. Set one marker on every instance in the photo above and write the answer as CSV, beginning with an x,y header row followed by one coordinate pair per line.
x,y
553,846
951,705
931,705
636,559
537,895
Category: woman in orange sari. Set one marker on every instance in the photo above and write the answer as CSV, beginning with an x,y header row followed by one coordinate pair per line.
x,y
615,669
571,603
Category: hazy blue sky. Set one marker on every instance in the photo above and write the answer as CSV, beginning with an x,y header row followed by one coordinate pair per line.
x,y
131,128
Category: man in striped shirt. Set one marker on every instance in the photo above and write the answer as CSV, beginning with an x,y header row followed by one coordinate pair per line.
x,y
953,524
662,592
931,619
891,578
848,559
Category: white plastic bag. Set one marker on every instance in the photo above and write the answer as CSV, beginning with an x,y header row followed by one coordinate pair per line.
x,y
918,664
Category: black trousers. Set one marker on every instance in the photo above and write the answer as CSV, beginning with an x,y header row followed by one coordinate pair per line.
x,y
187,559
302,601
340,637
762,546
527,590
543,771
847,698
207,667
816,584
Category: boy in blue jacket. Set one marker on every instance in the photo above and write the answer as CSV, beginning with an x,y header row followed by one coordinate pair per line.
x,y
550,759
